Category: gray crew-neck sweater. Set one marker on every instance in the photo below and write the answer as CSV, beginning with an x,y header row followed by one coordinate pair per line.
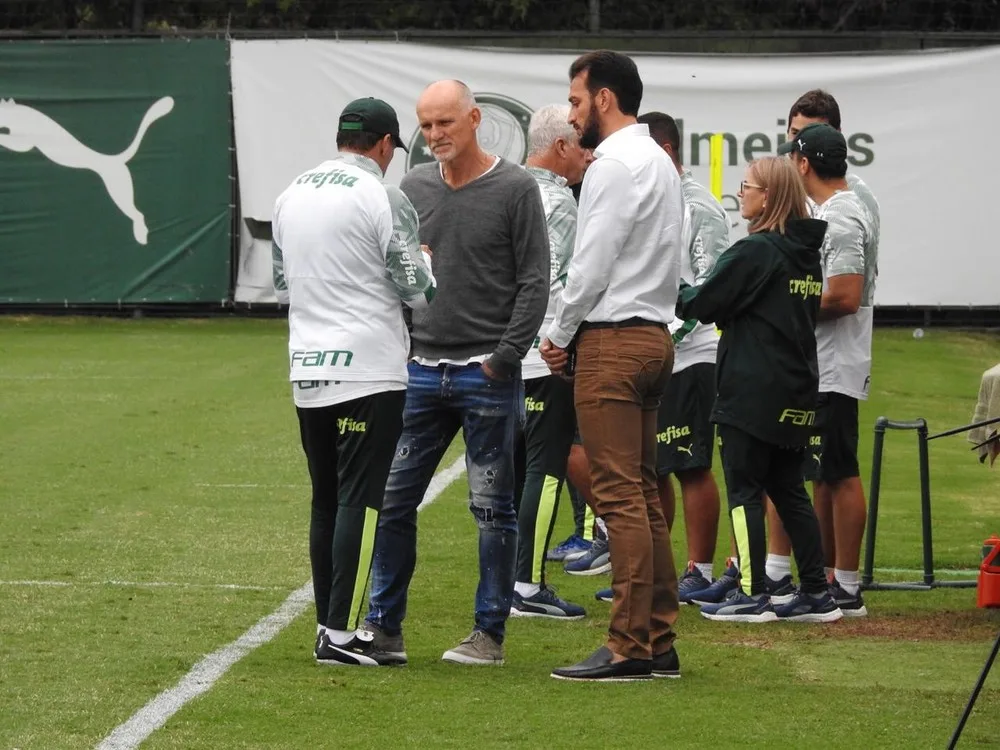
x,y
490,251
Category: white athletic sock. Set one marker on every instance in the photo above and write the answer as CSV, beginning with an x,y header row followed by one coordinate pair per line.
x,y
339,637
848,580
706,569
527,589
778,566
602,526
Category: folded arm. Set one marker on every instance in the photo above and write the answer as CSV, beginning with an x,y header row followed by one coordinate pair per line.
x,y
730,288
709,239
844,251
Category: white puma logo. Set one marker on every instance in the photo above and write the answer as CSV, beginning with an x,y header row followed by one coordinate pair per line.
x,y
686,450
23,128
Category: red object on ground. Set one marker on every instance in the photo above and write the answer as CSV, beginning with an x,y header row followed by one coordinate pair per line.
x,y
988,589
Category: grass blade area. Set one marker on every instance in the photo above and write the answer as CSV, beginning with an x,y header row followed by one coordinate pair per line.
x,y
155,506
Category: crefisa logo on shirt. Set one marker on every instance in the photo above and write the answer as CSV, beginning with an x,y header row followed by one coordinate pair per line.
x,y
503,131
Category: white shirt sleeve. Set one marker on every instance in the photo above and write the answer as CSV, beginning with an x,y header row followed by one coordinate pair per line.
x,y
844,246
607,212
277,259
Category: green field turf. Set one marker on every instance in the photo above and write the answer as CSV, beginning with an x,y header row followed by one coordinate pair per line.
x,y
165,452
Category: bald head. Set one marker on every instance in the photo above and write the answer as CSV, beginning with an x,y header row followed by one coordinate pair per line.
x,y
449,91
448,118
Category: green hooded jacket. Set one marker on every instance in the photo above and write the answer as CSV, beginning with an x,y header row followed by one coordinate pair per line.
x,y
764,295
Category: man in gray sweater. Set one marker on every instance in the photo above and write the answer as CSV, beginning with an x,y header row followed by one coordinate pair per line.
x,y
483,220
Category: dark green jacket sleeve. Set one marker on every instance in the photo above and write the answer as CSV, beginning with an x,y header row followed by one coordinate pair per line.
x,y
733,285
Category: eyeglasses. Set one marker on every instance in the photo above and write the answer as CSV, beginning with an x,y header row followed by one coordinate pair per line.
x,y
744,185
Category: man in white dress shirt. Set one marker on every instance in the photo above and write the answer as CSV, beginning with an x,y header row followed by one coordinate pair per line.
x,y
618,301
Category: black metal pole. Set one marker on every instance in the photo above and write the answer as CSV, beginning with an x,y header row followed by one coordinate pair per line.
x,y
137,15
975,693
873,493
925,503
966,428
595,16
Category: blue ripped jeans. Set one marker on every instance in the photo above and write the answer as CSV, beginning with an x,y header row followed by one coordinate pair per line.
x,y
439,401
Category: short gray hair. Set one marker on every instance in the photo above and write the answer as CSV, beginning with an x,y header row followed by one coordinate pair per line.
x,y
466,97
548,125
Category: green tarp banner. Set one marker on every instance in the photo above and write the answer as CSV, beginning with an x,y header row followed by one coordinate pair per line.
x,y
114,171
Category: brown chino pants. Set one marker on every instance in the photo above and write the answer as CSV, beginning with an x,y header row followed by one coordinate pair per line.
x,y
621,374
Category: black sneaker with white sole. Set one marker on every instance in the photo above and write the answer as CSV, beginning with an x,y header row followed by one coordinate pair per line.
x,y
852,605
781,591
805,607
360,651
667,664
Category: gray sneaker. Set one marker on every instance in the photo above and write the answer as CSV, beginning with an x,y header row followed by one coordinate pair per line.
x,y
478,648
391,644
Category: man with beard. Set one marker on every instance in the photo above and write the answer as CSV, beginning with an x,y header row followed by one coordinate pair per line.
x,y
618,302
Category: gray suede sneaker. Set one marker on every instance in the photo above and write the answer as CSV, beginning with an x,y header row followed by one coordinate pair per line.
x,y
391,644
478,648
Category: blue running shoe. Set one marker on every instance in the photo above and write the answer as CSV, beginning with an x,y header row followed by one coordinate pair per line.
x,y
545,603
691,582
781,592
740,607
570,549
810,608
594,562
852,605
719,590
605,595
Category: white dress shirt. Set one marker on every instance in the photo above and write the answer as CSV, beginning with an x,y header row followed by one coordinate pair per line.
x,y
627,259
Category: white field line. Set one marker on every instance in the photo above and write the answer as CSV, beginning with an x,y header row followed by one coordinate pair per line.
x,y
207,672
247,587
146,585
70,376
441,481
251,486
938,572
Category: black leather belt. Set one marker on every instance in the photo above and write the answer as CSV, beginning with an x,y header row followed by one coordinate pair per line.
x,y
627,323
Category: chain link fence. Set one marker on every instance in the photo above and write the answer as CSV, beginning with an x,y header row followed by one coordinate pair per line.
x,y
733,18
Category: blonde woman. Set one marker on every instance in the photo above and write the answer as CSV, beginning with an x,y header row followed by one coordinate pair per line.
x,y
764,295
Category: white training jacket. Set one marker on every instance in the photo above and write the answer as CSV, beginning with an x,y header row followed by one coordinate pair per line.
x,y
346,250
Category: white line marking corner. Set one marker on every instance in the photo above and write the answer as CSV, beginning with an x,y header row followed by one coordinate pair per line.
x,y
212,667
204,674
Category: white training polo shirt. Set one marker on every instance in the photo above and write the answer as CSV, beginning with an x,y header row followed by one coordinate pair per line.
x,y
346,251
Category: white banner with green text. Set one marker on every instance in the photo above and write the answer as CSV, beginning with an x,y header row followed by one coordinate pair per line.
x,y
910,121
